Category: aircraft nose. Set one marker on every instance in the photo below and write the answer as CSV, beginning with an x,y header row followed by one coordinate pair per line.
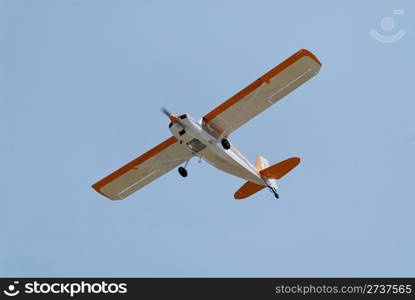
x,y
173,118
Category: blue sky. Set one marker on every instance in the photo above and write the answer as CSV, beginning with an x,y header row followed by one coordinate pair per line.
x,y
81,85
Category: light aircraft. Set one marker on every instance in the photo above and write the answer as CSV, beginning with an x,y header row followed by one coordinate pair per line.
x,y
208,139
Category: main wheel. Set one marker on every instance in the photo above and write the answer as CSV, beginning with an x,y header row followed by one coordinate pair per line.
x,y
182,172
225,144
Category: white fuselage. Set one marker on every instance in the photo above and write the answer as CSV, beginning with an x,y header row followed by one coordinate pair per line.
x,y
202,144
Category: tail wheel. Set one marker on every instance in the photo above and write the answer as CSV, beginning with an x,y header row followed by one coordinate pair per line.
x,y
182,172
274,191
225,144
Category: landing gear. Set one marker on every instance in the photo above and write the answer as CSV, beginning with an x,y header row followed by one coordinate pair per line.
x,y
225,144
276,195
274,191
182,172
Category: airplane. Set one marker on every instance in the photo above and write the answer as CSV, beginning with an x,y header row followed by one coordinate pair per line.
x,y
208,138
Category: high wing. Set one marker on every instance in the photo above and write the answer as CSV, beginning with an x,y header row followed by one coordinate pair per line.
x,y
143,170
261,93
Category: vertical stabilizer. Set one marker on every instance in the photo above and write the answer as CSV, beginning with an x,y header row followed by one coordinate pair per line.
x,y
261,163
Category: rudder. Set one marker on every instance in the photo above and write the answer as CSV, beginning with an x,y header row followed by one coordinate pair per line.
x,y
261,163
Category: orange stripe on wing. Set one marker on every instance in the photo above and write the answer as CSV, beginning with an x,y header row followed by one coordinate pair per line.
x,y
167,143
254,85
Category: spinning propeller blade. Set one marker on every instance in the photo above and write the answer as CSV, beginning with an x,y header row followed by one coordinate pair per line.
x,y
173,118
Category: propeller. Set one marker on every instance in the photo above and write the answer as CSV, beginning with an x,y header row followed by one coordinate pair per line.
x,y
173,118
165,111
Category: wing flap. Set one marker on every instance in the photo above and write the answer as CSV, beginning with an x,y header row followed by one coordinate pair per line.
x,y
143,170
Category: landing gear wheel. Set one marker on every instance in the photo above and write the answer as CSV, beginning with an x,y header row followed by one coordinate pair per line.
x,y
182,172
225,144
274,191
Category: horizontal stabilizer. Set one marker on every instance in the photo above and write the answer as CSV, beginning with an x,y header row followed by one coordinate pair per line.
x,y
248,189
278,170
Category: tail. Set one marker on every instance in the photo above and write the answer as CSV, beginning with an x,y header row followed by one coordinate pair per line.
x,y
269,174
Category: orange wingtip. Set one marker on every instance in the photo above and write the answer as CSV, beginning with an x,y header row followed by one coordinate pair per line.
x,y
97,189
248,189
280,169
265,78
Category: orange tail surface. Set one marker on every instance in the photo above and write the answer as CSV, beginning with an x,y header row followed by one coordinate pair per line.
x,y
276,171
248,189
